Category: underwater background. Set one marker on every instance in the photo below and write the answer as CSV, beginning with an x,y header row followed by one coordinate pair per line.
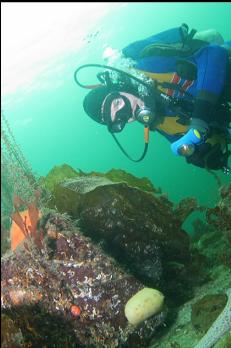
x,y
80,286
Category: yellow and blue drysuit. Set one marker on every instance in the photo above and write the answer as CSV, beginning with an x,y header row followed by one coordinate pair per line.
x,y
205,86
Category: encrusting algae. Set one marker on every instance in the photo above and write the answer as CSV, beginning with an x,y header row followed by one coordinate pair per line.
x,y
69,281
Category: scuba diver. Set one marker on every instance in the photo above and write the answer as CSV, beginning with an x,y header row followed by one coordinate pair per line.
x,y
181,88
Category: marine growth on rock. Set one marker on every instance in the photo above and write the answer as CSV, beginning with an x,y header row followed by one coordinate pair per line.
x,y
68,293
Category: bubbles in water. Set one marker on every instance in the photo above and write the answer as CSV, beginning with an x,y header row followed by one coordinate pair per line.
x,y
113,57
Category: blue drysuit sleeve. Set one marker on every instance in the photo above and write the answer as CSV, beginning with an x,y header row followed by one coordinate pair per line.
x,y
211,64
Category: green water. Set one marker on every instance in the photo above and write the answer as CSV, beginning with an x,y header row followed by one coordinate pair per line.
x,y
47,117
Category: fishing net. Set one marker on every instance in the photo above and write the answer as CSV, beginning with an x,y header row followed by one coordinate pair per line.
x,y
17,177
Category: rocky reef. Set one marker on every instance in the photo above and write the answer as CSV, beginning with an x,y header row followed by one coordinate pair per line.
x,y
100,240
67,293
219,327
204,321
220,215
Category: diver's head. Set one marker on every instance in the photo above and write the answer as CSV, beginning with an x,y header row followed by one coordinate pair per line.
x,y
115,108
108,106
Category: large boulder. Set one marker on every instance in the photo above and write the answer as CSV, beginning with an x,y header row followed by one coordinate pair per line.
x,y
140,228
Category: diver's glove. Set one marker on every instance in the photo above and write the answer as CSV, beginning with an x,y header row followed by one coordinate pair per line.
x,y
196,135
185,146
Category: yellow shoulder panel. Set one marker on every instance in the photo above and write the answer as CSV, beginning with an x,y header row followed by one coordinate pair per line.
x,y
171,127
160,77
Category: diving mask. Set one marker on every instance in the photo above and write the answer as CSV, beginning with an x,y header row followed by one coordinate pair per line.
x,y
116,111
